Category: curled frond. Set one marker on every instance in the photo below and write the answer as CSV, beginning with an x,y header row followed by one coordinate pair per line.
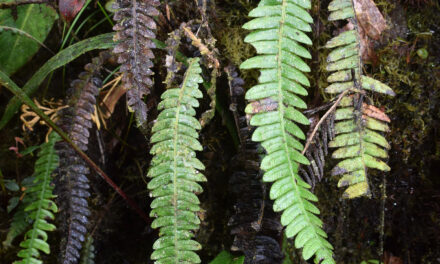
x,y
358,123
175,171
278,32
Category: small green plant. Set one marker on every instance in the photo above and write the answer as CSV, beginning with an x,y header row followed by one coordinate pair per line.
x,y
40,206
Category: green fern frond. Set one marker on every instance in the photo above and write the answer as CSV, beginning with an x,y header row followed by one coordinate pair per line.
x,y
278,29
20,223
40,205
175,171
88,252
359,142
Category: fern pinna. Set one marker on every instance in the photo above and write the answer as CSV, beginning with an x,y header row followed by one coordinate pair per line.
x,y
40,207
359,123
72,182
135,29
175,171
279,27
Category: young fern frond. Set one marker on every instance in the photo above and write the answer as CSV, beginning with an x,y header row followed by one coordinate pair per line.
x,y
40,206
175,171
358,127
279,27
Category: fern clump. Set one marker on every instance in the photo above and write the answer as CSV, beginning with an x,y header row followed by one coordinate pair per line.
x,y
279,30
175,171
40,207
358,123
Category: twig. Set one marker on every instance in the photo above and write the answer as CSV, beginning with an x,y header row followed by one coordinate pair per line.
x,y
202,47
323,118
382,217
11,86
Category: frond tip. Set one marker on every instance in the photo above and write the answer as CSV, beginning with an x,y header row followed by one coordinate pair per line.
x,y
135,30
279,27
175,171
358,123
40,207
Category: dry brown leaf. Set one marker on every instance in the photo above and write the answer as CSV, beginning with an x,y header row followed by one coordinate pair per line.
x,y
371,24
390,259
112,97
375,112
369,18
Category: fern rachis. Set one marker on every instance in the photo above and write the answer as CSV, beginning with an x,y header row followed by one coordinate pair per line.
x,y
279,26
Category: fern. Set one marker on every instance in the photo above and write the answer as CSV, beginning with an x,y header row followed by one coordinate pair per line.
x,y
72,182
175,171
358,127
88,252
256,228
135,29
279,27
40,205
318,148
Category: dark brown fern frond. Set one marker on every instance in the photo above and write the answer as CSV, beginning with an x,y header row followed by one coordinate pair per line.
x,y
318,148
72,182
255,226
135,29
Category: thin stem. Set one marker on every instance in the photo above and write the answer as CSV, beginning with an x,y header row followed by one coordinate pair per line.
x,y
323,118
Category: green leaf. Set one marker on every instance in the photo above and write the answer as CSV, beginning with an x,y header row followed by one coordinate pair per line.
x,y
12,203
227,258
12,185
34,19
